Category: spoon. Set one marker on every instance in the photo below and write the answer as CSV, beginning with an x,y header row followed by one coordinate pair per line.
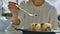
x,y
25,11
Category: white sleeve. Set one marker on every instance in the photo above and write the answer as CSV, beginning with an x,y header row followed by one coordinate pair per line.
x,y
21,17
53,17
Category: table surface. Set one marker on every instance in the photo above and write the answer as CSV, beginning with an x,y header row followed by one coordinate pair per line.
x,y
15,33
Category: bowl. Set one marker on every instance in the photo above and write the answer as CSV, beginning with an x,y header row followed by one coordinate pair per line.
x,y
25,31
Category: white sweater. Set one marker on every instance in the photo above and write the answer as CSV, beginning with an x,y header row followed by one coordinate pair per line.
x,y
46,13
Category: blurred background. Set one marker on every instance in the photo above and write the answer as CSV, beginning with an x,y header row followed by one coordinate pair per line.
x,y
5,14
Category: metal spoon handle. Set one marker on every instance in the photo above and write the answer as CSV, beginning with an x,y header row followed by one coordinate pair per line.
x,y
25,11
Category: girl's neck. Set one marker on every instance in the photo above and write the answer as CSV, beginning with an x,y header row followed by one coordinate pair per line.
x,y
38,3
